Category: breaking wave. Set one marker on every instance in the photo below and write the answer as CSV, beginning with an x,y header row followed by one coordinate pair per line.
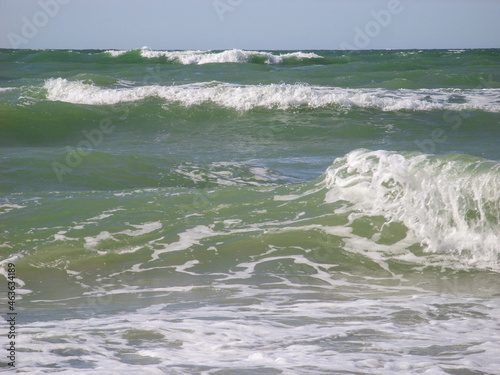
x,y
280,96
451,203
197,57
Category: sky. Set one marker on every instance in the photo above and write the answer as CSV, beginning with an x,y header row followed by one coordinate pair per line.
x,y
249,24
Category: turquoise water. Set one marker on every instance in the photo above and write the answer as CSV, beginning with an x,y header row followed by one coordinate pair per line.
x,y
251,212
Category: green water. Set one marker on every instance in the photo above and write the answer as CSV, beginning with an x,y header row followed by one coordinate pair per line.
x,y
273,212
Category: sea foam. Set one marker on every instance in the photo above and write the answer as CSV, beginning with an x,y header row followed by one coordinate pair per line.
x,y
199,57
451,203
279,96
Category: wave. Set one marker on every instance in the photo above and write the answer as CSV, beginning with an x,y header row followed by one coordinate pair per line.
x,y
380,204
197,57
280,96
451,203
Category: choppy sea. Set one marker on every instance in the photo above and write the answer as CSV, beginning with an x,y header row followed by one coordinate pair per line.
x,y
251,212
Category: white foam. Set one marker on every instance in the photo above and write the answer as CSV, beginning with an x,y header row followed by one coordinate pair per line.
x,y
60,236
187,239
263,174
142,229
451,204
187,265
291,197
116,53
199,57
280,96
92,242
7,207
282,333
223,174
100,217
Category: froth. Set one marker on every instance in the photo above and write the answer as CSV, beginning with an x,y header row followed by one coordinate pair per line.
x,y
197,57
280,96
451,203
115,53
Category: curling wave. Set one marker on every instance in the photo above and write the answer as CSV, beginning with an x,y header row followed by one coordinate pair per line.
x,y
451,203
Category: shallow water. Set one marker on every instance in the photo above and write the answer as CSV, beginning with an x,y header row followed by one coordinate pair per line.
x,y
252,212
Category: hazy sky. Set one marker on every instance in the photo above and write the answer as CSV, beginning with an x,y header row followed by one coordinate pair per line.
x,y
249,24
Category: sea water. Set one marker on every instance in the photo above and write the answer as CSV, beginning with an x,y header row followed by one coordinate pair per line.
x,y
251,212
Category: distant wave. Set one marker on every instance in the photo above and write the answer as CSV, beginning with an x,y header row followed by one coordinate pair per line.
x,y
451,203
280,96
210,57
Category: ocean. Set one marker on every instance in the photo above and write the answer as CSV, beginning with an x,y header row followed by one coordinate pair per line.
x,y
250,212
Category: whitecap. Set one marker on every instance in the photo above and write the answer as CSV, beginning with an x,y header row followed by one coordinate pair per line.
x,y
450,203
279,96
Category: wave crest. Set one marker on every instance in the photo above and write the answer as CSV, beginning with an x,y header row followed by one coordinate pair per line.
x,y
280,96
452,203
198,57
